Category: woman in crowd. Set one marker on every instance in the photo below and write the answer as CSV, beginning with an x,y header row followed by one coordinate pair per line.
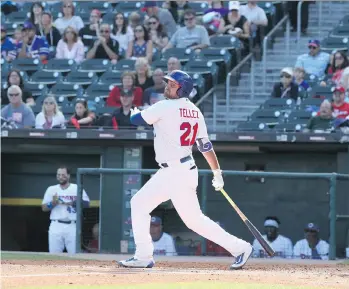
x,y
82,116
46,29
15,78
141,46
50,116
122,32
35,14
144,78
17,36
157,33
70,46
338,64
68,19
128,83
285,88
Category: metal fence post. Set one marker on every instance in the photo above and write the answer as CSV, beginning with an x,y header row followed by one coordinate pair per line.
x,y
333,216
288,30
203,209
320,16
299,23
265,41
78,211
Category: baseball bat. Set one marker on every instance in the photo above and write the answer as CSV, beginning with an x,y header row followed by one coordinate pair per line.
x,y
249,225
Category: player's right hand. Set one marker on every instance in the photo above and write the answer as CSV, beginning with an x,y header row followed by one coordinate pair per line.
x,y
134,111
217,181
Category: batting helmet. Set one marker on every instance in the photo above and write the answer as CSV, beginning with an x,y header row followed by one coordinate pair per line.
x,y
184,81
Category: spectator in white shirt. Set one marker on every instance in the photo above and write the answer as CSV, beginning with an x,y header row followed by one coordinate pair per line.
x,y
163,243
312,247
70,46
68,19
122,32
50,116
280,244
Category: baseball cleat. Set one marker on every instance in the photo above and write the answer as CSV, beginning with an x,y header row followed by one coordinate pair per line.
x,y
242,259
135,263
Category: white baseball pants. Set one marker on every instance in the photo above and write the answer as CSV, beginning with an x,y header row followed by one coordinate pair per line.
x,y
179,184
62,235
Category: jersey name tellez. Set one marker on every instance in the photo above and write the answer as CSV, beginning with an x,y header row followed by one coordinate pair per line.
x,y
188,113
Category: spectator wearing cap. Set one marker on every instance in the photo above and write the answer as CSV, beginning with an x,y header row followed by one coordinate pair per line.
x,y
312,247
68,18
285,88
15,78
236,24
299,74
338,64
340,107
163,243
315,62
141,45
122,32
173,63
70,46
191,36
256,17
323,121
8,49
88,33
16,111
281,245
48,31
32,45
155,93
165,17
50,116
104,47
128,84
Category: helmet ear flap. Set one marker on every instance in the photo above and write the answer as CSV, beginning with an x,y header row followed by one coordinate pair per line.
x,y
180,91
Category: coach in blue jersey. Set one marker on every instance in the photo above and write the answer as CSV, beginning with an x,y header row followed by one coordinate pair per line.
x,y
32,46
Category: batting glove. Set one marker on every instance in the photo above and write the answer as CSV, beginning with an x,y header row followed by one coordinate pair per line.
x,y
134,111
217,181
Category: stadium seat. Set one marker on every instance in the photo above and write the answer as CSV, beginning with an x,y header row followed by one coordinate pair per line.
x,y
279,103
183,54
340,32
36,89
300,116
29,65
66,90
17,17
311,103
199,83
289,127
216,55
160,63
331,44
109,18
344,20
45,77
311,78
266,116
127,7
252,126
109,78
198,7
88,6
225,42
124,65
98,89
208,69
95,65
60,65
85,17
81,78
322,92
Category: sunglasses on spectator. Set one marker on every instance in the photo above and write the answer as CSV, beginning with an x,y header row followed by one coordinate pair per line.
x,y
312,47
189,19
285,75
67,6
13,94
138,30
152,23
104,31
48,102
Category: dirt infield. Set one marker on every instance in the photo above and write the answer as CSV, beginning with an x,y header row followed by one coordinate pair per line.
x,y
40,273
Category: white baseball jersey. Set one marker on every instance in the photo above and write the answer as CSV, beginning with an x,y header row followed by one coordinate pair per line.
x,y
182,123
281,245
165,246
61,211
302,249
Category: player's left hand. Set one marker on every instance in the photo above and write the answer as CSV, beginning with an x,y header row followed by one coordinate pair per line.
x,y
217,181
134,111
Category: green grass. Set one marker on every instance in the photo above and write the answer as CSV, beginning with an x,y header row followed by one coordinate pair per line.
x,y
198,285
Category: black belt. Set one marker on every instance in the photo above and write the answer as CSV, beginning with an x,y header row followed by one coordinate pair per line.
x,y
182,160
64,222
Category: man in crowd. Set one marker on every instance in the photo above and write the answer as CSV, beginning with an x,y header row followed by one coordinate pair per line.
x,y
324,120
32,45
340,107
155,93
16,111
312,247
60,200
315,62
121,116
89,33
281,245
191,36
163,243
104,47
165,17
8,49
173,63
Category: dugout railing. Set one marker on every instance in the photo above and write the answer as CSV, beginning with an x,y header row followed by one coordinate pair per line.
x,y
330,177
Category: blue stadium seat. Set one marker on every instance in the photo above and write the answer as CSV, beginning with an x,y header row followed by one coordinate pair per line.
x,y
252,126
300,116
183,54
289,127
225,42
160,63
199,83
129,6
36,89
18,17
98,89
331,44
208,69
266,116
45,77
95,65
66,90
83,79
198,7
28,65
60,65
111,78
279,103
340,32
320,91
124,65
311,103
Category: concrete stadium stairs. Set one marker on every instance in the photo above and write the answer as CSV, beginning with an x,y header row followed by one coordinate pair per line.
x,y
242,104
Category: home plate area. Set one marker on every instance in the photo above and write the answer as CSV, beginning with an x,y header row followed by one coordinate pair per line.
x,y
48,273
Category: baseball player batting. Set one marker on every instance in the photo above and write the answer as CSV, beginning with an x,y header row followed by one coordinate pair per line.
x,y
178,125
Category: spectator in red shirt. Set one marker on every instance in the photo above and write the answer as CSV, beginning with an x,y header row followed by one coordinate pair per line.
x,y
82,116
128,80
340,107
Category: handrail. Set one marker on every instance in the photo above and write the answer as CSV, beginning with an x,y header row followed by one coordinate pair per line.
x,y
227,85
299,23
207,94
265,41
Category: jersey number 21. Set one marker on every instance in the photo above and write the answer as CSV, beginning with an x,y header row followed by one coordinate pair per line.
x,y
188,137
